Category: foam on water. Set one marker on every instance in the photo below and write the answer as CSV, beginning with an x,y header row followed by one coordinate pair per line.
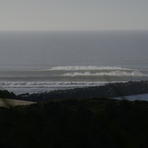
x,y
19,87
46,84
73,68
111,73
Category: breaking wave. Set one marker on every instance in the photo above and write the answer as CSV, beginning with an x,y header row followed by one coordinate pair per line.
x,y
75,73
21,87
24,84
111,73
73,68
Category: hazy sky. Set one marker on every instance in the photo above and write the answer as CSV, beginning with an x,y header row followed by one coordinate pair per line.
x,y
73,14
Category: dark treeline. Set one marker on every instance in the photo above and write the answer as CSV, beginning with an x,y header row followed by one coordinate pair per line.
x,y
7,94
109,90
75,123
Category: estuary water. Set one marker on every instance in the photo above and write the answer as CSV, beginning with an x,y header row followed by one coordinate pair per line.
x,y
44,61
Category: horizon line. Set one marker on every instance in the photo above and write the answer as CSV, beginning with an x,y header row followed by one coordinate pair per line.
x,y
73,30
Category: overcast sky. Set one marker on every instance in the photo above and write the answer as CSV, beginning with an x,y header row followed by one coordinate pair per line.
x,y
73,14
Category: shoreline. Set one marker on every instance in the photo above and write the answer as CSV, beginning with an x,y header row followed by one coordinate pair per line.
x,y
111,90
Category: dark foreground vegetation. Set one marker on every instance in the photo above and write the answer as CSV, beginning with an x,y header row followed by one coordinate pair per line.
x,y
7,94
75,123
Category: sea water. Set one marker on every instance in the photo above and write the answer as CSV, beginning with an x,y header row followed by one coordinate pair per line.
x,y
43,61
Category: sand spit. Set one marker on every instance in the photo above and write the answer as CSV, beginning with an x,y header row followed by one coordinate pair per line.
x,y
12,102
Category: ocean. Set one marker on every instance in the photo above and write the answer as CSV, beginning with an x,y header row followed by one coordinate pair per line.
x,y
34,62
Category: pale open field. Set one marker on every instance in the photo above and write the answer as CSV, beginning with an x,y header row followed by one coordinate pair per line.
x,y
13,102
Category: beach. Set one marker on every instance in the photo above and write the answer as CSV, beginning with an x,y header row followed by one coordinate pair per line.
x,y
13,102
